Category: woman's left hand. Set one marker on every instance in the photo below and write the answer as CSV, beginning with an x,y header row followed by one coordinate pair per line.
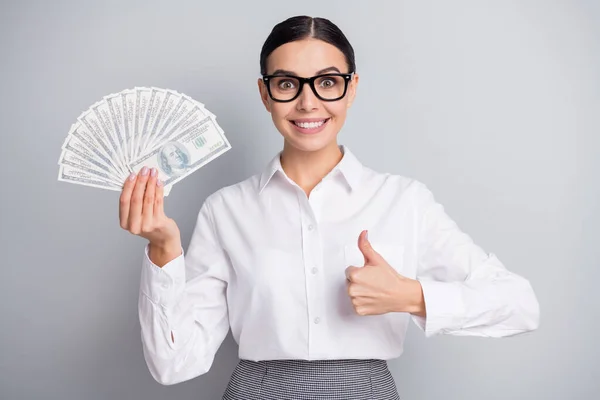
x,y
377,288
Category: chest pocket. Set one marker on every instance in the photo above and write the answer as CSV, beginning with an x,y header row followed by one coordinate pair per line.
x,y
392,253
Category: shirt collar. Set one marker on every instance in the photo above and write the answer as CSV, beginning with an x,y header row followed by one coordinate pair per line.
x,y
349,167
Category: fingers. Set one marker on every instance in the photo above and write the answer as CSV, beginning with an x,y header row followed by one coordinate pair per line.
x,y
159,210
351,272
354,289
141,201
148,202
125,200
137,199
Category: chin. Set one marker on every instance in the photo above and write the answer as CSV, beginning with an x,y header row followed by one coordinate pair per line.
x,y
310,144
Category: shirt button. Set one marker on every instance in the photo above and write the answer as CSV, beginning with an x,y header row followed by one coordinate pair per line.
x,y
310,227
317,320
314,270
165,285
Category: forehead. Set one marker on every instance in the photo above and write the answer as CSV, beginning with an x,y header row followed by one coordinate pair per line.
x,y
306,57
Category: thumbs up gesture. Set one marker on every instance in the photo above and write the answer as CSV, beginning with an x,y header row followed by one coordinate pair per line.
x,y
377,288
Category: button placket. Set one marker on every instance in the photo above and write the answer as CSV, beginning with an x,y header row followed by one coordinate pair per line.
x,y
311,243
164,280
316,202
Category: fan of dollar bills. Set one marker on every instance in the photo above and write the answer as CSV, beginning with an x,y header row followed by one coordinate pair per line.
x,y
123,132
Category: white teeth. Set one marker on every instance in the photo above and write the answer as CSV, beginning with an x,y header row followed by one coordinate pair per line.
x,y
310,125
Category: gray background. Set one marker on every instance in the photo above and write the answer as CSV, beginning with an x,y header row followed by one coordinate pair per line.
x,y
493,104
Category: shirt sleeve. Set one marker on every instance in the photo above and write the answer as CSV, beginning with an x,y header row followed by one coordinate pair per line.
x,y
186,298
467,291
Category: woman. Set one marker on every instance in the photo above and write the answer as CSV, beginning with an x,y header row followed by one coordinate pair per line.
x,y
284,260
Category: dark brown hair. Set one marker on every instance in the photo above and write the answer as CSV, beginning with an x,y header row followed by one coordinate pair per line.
x,y
302,27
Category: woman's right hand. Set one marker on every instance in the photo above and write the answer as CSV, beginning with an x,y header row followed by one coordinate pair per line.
x,y
141,211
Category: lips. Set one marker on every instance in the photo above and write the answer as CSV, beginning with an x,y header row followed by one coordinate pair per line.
x,y
310,126
312,123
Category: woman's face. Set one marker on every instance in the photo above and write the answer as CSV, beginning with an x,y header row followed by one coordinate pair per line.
x,y
307,123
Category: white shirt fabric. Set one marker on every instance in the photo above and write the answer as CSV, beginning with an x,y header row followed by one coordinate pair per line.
x,y
269,262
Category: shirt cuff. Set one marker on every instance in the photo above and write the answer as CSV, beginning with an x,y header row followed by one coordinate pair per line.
x,y
161,285
444,307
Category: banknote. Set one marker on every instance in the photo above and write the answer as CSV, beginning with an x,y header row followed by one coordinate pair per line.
x,y
158,102
99,119
171,116
184,153
183,114
67,173
192,113
128,100
81,140
114,122
74,160
124,131
142,100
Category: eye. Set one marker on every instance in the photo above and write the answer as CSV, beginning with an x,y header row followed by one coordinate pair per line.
x,y
327,83
286,84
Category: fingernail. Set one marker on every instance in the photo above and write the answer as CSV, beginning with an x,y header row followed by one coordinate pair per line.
x,y
154,172
367,235
159,182
145,171
131,176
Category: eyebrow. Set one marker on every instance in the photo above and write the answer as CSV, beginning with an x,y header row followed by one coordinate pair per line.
x,y
323,71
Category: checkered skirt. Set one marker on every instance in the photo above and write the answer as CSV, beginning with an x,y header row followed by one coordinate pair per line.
x,y
311,380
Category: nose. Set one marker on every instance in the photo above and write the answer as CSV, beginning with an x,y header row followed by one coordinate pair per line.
x,y
307,101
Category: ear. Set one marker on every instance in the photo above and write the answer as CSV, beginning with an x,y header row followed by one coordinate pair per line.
x,y
352,87
264,95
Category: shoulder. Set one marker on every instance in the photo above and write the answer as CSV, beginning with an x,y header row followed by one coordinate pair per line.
x,y
236,193
401,184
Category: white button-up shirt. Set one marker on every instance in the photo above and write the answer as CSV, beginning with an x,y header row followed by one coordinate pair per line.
x,y
269,262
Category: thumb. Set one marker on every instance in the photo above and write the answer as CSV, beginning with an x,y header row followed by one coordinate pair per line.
x,y
371,256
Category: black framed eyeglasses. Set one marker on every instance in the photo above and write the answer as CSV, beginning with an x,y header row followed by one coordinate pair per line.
x,y
327,87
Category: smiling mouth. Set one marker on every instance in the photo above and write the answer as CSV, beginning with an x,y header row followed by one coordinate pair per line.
x,y
311,124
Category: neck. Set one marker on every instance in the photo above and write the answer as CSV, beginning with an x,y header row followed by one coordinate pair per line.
x,y
308,168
